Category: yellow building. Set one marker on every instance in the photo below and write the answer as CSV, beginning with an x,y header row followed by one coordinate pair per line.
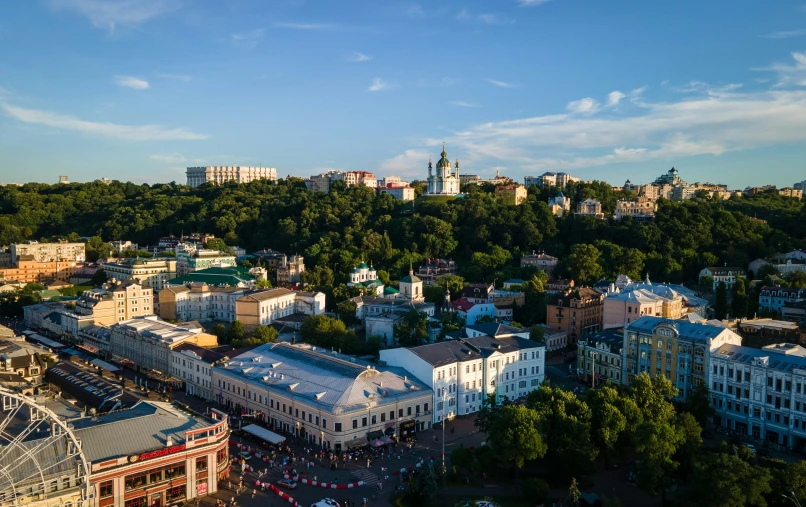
x,y
116,302
678,349
511,194
28,270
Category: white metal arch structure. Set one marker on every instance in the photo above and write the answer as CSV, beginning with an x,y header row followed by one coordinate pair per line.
x,y
41,462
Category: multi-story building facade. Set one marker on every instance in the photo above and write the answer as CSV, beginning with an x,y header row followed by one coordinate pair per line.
x,y
263,307
785,264
622,308
511,194
677,349
48,252
590,207
153,454
194,366
188,261
27,270
353,178
578,312
541,261
290,272
726,274
401,193
328,399
559,204
549,180
199,301
223,173
761,392
121,246
115,302
153,273
775,298
797,193
434,268
641,209
463,372
599,357
270,258
148,341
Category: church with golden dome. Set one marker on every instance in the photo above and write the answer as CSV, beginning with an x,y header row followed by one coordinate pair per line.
x,y
444,181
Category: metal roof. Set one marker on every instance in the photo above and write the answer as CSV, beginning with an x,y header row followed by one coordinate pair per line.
x,y
688,330
790,358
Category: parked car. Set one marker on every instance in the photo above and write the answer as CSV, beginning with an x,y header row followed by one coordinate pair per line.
x,y
245,455
287,483
751,448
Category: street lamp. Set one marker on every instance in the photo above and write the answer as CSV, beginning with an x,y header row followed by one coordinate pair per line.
x,y
791,496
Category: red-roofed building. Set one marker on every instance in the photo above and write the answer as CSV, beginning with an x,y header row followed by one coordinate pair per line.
x,y
472,312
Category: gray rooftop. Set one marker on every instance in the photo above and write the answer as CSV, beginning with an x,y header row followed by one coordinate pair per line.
x,y
142,428
686,329
336,382
464,349
785,361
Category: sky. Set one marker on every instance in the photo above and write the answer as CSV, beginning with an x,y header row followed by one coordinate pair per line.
x,y
611,90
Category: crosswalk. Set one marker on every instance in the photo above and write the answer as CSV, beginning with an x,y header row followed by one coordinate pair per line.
x,y
371,479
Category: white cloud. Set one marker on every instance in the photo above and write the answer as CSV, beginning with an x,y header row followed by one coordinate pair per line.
x,y
794,74
378,84
463,15
583,106
462,103
409,164
414,10
178,77
532,3
174,159
502,84
248,40
357,57
103,129
785,34
487,18
135,83
306,26
613,98
705,124
111,13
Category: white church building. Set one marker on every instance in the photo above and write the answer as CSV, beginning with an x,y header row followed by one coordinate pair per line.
x,y
444,181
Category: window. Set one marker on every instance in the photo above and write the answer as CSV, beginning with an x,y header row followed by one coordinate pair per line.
x,y
201,463
374,419
408,410
175,493
137,502
355,423
383,416
400,413
107,489
155,476
425,407
324,423
338,427
363,421
135,480
391,415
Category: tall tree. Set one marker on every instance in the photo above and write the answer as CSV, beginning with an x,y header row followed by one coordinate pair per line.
x,y
582,264
565,423
657,442
739,302
236,332
608,419
698,404
265,334
721,301
413,330
652,395
514,436
726,480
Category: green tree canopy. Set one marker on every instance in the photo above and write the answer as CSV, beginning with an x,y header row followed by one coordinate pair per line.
x,y
514,436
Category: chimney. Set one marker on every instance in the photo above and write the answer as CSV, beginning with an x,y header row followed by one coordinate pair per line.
x,y
169,441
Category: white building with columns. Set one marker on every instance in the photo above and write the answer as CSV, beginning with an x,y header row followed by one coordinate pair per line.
x,y
444,181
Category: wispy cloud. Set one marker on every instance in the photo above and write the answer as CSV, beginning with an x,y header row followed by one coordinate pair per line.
x,y
378,84
614,97
177,77
174,159
463,15
111,13
409,164
583,106
248,40
414,10
789,74
487,18
532,3
307,26
102,129
135,83
357,57
502,84
462,103
785,34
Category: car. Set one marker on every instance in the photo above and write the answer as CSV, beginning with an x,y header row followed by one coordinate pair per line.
x,y
245,455
287,483
326,502
751,448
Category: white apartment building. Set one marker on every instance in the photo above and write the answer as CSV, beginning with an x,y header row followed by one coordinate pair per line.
x,y
400,193
199,301
642,208
193,365
148,341
153,273
727,274
464,371
223,173
323,182
549,180
761,392
48,252
328,399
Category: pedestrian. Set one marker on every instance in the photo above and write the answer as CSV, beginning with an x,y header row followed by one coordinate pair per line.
x,y
254,492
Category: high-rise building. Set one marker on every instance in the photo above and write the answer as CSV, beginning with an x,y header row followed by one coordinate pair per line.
x,y
223,173
48,252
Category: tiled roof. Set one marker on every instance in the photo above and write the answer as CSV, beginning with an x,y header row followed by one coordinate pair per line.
x,y
336,382
462,304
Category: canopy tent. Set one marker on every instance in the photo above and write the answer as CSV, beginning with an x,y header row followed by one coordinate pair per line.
x,y
105,365
263,433
377,443
46,341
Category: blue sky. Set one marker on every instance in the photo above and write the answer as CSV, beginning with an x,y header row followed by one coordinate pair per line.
x,y
139,89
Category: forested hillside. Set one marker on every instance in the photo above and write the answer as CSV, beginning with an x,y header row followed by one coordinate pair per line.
x,y
335,230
